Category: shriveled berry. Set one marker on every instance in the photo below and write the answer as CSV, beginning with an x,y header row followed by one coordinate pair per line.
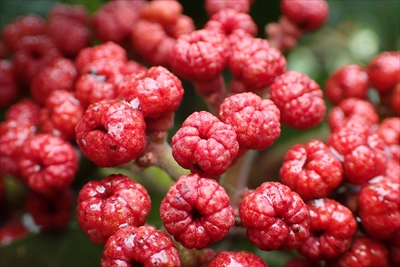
x,y
348,81
25,111
236,259
47,163
379,207
255,120
196,211
214,6
311,170
299,98
332,227
204,144
275,217
111,132
384,71
109,204
156,91
140,246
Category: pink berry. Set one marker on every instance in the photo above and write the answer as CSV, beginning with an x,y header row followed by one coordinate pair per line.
x,y
75,12
111,132
236,259
196,211
204,144
110,204
214,6
275,217
299,98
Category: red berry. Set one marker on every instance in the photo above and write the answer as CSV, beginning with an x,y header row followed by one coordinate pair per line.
x,y
348,81
47,163
346,139
9,90
75,12
214,6
395,99
162,12
111,132
25,111
140,246
255,64
379,207
311,170
332,227
307,15
302,262
109,204
61,114
156,92
384,71
236,259
389,131
11,232
255,120
50,212
275,217
299,99
196,211
204,144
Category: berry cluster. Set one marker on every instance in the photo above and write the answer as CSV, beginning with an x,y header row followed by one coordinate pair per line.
x,y
105,88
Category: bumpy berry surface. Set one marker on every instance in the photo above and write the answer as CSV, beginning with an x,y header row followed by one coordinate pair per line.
x,y
299,98
348,81
196,211
25,111
332,227
237,259
255,120
105,206
307,15
9,90
111,132
379,207
156,92
389,132
384,71
75,12
140,246
214,6
204,144
311,170
47,163
275,217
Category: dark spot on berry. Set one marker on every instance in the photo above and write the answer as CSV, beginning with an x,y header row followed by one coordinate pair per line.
x,y
113,148
196,215
197,168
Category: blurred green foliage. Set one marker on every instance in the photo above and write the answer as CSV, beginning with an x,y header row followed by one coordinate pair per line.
x,y
354,33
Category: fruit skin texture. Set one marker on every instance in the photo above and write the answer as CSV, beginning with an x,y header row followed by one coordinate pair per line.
x,y
196,211
332,227
105,206
214,6
204,144
384,71
111,132
25,111
236,259
311,170
299,99
379,207
140,246
47,163
255,120
8,84
275,217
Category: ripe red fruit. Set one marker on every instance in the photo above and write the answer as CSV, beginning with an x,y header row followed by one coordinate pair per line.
x,y
311,170
379,207
255,120
302,262
204,144
307,15
109,204
395,100
111,132
236,259
384,71
196,211
75,12
25,111
9,90
140,246
275,217
214,6
11,231
332,227
299,98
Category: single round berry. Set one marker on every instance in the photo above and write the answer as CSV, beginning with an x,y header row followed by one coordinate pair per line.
x,y
140,246
25,111
384,71
311,170
111,132
275,217
109,204
47,163
204,144
236,259
196,211
332,228
299,98
255,120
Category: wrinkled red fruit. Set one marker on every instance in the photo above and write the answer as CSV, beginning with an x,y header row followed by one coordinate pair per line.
x,y
236,259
